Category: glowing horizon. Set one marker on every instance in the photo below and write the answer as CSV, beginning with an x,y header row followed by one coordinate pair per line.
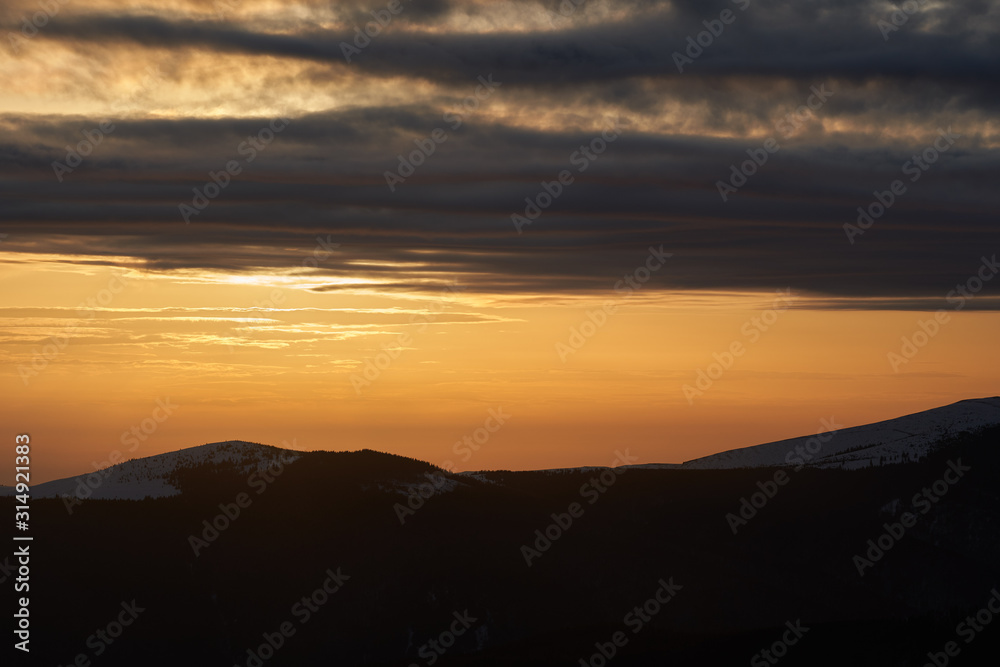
x,y
298,234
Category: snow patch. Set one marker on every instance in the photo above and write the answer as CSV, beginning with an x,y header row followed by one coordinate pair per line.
x,y
900,440
149,477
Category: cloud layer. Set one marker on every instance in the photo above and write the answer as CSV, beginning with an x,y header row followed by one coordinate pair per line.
x,y
516,93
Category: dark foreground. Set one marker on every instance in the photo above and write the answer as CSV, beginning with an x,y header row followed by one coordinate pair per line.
x,y
317,569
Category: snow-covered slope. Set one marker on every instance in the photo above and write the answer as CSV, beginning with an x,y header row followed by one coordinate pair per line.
x,y
151,477
908,438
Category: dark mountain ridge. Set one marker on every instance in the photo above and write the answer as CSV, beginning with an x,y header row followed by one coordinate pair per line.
x,y
213,581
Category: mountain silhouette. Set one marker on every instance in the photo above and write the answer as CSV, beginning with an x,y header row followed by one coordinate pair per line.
x,y
261,556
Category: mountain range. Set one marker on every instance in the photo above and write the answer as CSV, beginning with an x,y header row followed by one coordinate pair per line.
x,y
903,439
875,551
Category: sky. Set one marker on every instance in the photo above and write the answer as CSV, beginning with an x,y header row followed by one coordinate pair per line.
x,y
491,234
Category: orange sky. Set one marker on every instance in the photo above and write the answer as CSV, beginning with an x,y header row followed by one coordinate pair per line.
x,y
275,365
221,313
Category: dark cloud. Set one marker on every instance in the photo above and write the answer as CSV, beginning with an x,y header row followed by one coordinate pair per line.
x,y
784,229
768,39
324,174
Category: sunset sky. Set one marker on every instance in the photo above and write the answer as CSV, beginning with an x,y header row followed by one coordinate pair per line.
x,y
328,297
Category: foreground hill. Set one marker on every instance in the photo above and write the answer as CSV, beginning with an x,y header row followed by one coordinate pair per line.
x,y
533,568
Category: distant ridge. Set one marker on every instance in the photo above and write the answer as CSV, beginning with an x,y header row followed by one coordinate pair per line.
x,y
900,440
